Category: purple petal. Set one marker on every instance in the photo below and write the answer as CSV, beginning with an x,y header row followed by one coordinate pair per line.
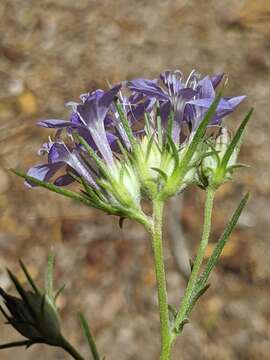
x,y
93,113
43,172
135,98
75,120
221,112
235,101
149,88
95,108
172,80
61,153
111,137
93,95
186,93
77,163
136,112
176,131
64,180
206,88
45,148
54,123
165,109
216,79
116,123
86,134
58,152
96,94
106,99
206,103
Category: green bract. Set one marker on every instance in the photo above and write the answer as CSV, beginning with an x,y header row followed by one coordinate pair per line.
x,y
219,165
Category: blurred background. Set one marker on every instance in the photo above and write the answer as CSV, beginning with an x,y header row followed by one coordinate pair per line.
x,y
50,52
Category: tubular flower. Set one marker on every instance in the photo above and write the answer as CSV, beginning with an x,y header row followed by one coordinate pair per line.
x,y
187,99
139,139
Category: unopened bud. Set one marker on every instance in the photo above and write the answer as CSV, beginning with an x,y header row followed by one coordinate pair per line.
x,y
214,170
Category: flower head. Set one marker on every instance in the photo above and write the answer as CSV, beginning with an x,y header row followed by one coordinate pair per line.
x,y
218,167
139,139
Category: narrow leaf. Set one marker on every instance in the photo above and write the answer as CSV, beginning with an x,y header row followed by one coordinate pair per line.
x,y
214,152
181,326
200,132
26,343
71,194
59,292
89,337
197,139
174,151
149,146
49,276
5,314
93,195
29,277
42,304
237,166
147,123
124,152
221,243
172,310
22,292
159,131
161,172
170,123
197,294
126,125
92,153
236,140
103,169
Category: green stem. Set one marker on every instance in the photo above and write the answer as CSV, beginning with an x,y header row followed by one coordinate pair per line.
x,y
70,349
156,233
208,208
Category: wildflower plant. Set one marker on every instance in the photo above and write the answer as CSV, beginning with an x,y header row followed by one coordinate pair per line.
x,y
142,140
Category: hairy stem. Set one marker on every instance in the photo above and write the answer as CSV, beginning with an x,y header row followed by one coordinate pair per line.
x,y
208,208
156,233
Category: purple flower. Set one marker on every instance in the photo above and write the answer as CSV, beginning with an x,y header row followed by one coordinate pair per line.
x,y
172,95
106,148
59,155
198,106
189,100
88,120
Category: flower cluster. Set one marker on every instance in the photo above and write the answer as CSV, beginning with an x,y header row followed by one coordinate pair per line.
x,y
139,139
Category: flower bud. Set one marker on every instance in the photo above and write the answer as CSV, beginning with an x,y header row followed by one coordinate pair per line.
x,y
34,317
214,169
20,316
47,318
156,166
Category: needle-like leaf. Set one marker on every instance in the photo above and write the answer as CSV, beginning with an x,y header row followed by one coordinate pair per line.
x,y
220,245
236,140
89,337
26,343
29,277
49,276
71,194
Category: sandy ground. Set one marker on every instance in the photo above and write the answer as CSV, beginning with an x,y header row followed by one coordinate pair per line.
x,y
50,52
